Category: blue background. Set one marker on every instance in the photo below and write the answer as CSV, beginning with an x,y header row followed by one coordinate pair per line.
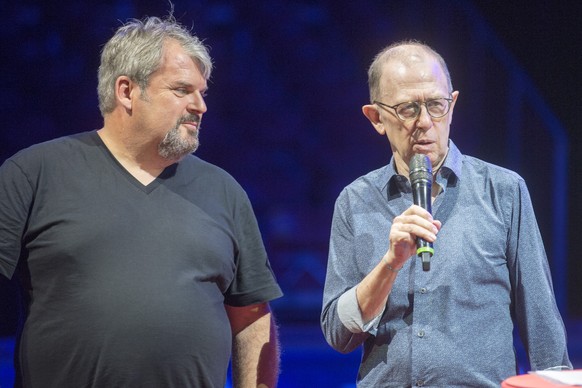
x,y
285,120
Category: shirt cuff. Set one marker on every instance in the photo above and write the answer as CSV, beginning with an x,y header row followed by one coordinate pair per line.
x,y
559,367
350,315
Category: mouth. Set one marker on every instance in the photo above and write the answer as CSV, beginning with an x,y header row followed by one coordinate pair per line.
x,y
191,126
422,144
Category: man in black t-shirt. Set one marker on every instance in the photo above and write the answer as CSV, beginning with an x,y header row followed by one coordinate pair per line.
x,y
142,265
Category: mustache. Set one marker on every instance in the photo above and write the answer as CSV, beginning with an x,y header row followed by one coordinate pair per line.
x,y
189,119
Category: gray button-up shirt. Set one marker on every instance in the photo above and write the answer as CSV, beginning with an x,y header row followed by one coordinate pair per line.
x,y
451,326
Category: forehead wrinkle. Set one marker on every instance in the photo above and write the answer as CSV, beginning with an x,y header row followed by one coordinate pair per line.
x,y
421,74
178,68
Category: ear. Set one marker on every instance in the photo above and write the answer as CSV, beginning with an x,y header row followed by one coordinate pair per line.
x,y
455,95
124,88
372,113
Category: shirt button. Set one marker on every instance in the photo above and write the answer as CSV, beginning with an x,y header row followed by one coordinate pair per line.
x,y
421,333
423,290
419,383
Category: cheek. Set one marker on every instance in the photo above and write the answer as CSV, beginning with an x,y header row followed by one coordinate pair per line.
x,y
443,129
401,142
443,140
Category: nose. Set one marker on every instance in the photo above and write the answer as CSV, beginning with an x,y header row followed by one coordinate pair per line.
x,y
197,105
424,120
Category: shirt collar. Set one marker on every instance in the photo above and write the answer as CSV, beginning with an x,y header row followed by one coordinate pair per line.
x,y
450,171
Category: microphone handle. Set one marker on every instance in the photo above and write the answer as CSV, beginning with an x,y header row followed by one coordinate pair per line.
x,y
421,193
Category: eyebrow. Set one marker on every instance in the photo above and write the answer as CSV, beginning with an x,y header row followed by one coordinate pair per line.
x,y
181,84
187,85
435,97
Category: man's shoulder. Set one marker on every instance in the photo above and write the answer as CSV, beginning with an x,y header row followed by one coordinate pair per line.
x,y
369,185
475,167
193,162
58,148
374,179
194,166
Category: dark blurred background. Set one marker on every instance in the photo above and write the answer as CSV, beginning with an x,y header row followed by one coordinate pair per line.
x,y
285,120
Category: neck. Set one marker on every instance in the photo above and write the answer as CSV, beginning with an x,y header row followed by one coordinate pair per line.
x,y
140,160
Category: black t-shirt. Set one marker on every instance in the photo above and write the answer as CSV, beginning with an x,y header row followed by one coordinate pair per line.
x,y
127,283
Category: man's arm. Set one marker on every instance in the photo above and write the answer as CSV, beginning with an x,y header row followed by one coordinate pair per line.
x,y
255,347
16,197
540,324
372,292
351,312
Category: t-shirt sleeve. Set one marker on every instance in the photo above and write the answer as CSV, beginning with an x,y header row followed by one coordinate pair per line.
x,y
16,195
254,280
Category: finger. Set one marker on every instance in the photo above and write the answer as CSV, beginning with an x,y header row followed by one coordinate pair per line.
x,y
419,211
404,221
415,209
411,227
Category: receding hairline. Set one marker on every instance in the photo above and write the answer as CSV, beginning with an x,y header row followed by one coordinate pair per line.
x,y
403,52
403,49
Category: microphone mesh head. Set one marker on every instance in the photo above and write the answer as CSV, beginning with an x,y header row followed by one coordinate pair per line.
x,y
420,169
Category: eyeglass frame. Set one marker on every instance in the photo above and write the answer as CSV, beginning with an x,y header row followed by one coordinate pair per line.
x,y
419,103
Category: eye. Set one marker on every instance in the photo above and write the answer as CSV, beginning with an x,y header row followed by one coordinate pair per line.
x,y
437,107
408,109
436,104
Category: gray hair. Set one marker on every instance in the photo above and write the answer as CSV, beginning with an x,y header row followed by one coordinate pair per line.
x,y
398,50
135,51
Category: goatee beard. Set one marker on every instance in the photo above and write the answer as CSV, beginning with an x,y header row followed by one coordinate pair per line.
x,y
174,146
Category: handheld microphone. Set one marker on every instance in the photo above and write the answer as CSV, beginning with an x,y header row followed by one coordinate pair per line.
x,y
420,172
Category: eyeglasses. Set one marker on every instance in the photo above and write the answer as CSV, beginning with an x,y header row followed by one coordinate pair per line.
x,y
436,108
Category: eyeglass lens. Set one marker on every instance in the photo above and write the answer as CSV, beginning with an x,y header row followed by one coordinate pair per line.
x,y
436,108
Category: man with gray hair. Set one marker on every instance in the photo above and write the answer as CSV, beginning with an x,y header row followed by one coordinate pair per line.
x,y
449,323
141,264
